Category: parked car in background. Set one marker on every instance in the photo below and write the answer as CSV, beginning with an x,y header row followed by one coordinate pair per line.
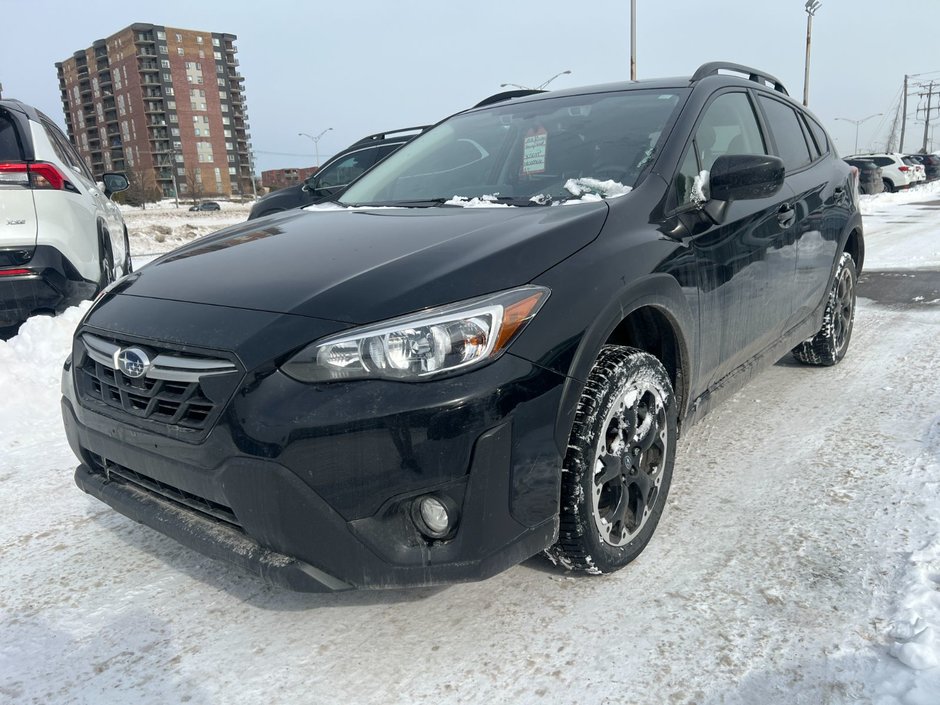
x,y
895,172
920,174
869,175
931,164
485,349
62,239
205,206
336,173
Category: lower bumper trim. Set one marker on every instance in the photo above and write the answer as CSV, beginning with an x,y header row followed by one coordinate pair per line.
x,y
212,538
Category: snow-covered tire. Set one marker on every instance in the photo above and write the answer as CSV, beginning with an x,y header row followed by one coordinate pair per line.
x,y
619,462
831,342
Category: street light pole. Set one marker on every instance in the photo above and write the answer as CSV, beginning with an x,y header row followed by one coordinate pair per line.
x,y
632,40
811,7
539,87
316,142
857,123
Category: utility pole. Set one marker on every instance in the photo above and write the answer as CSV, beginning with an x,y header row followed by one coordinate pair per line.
x,y
889,147
927,117
632,40
903,115
810,7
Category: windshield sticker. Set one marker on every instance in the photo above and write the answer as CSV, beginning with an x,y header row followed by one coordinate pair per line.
x,y
533,153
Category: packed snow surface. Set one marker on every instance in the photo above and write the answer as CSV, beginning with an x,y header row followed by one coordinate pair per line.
x,y
797,563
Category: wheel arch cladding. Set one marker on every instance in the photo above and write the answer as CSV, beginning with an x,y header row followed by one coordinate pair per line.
x,y
653,315
855,246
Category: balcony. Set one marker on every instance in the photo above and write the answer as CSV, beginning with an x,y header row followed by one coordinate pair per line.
x,y
147,51
154,108
111,116
149,66
104,78
230,59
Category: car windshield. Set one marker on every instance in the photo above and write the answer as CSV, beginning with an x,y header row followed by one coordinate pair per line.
x,y
532,153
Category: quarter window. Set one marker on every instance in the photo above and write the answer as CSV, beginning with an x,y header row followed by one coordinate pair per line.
x,y
785,126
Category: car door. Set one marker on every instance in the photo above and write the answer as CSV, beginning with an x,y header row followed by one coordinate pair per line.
x,y
821,199
104,208
746,263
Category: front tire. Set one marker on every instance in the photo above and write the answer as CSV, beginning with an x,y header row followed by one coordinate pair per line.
x,y
106,257
831,342
618,467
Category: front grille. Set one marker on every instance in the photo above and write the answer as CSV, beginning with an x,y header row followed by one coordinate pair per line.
x,y
185,391
118,473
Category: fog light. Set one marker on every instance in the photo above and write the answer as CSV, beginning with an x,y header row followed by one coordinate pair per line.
x,y
434,516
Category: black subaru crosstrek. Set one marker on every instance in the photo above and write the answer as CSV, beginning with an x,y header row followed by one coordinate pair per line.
x,y
486,348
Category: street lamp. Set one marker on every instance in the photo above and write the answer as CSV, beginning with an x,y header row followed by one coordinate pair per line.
x,y
810,7
316,142
539,87
857,123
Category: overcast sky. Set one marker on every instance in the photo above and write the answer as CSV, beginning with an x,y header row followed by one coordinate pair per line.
x,y
364,66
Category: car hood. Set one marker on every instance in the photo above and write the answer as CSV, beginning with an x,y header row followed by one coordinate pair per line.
x,y
363,265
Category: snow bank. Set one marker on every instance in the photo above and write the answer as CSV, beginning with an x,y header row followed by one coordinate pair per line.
x,y
162,228
872,204
30,369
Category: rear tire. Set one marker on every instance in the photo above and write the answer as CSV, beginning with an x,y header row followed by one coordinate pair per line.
x,y
831,342
889,187
618,467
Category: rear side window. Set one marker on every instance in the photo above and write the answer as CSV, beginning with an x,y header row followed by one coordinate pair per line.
x,y
882,161
10,148
785,126
64,149
819,134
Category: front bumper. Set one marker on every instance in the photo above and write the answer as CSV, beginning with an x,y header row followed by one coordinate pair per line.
x,y
53,283
310,487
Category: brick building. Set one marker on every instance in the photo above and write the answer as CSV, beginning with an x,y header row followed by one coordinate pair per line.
x,y
164,105
279,178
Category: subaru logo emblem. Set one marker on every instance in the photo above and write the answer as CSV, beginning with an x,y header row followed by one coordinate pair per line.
x,y
133,362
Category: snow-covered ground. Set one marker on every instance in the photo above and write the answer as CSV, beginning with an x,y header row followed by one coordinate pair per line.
x,y
797,562
162,227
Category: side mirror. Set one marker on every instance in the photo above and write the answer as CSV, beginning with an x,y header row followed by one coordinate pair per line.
x,y
739,177
114,183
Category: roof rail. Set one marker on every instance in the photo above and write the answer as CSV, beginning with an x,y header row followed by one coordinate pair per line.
x,y
507,95
713,67
384,135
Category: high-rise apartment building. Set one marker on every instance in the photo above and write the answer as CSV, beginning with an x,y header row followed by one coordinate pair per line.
x,y
164,105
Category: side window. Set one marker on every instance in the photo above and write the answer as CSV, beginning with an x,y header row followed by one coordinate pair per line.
x,y
818,133
685,177
882,161
64,149
345,170
784,124
10,148
385,150
728,127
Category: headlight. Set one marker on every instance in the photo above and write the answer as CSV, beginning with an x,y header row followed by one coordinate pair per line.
x,y
423,344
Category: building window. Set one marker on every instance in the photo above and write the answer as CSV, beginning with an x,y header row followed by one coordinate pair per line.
x,y
167,78
224,107
177,145
215,41
179,37
221,81
217,55
225,120
171,104
232,170
161,35
163,49
175,131
169,90
202,54
165,63
198,39
179,50
178,156
229,146
227,133
173,118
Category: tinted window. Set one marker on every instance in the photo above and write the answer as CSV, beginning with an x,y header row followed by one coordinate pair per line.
x,y
341,172
784,124
728,127
64,149
685,178
819,134
10,148
882,161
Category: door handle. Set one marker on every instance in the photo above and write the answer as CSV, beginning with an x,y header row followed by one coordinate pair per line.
x,y
786,216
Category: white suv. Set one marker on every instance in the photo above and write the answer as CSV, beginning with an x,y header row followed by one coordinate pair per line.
x,y
895,172
62,239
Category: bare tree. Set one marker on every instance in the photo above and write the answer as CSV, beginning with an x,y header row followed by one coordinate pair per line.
x,y
194,184
142,187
